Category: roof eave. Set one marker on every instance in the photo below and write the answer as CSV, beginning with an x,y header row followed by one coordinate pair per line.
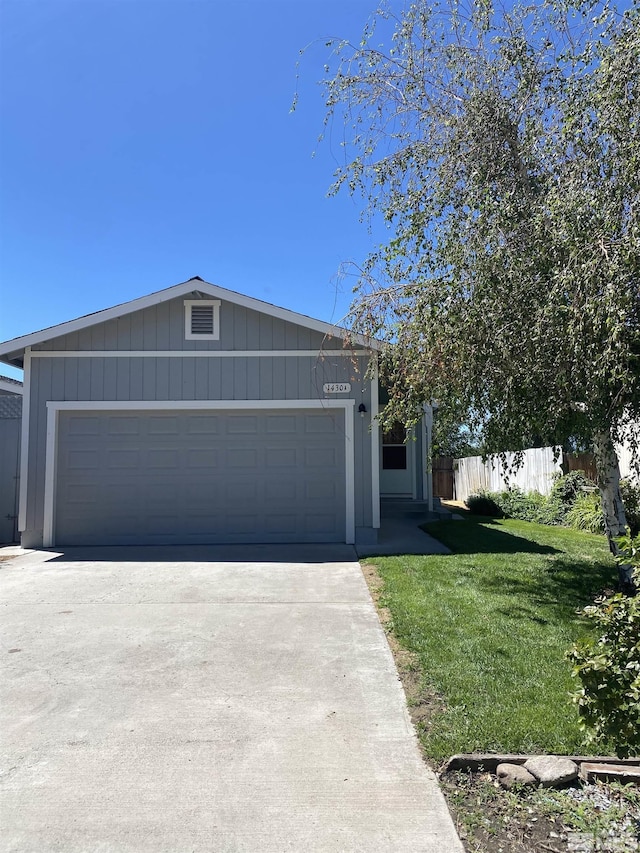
x,y
12,351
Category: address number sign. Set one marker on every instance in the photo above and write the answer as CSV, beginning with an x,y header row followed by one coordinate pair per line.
x,y
336,387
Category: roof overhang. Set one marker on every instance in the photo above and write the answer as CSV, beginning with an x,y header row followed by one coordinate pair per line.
x,y
11,386
12,351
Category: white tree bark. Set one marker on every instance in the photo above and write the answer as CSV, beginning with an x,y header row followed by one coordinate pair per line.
x,y
615,520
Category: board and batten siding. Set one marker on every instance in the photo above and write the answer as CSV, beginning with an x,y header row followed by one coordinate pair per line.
x,y
161,327
182,378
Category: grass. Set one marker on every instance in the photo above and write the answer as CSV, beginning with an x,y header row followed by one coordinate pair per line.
x,y
490,625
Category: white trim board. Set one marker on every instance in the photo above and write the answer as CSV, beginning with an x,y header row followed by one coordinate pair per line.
x,y
24,443
54,407
193,285
375,451
200,353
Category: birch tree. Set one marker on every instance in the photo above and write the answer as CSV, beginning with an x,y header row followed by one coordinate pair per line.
x,y
501,148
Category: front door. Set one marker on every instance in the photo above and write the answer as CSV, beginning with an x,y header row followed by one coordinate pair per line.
x,y
397,466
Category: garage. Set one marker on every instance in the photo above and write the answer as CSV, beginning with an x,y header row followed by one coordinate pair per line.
x,y
199,476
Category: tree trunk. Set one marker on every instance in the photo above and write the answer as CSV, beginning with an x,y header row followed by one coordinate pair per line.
x,y
615,520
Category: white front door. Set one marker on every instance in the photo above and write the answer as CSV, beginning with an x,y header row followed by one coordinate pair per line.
x,y
397,463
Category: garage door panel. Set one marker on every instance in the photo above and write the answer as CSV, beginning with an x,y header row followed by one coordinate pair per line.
x,y
82,460
122,459
282,490
281,457
194,477
320,524
320,457
241,424
314,425
162,425
244,457
123,426
320,490
82,425
201,494
281,424
202,425
202,458
163,458
281,523
243,524
242,491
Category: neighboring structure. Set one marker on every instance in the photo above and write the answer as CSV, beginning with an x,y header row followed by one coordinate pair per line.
x,y
10,427
199,415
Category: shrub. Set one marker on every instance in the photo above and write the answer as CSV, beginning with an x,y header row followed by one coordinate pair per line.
x,y
609,666
586,513
567,487
483,504
553,512
514,503
631,500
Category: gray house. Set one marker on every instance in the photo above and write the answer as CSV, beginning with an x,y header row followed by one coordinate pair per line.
x,y
10,428
199,415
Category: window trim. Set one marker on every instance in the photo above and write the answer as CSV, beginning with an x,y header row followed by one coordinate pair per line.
x,y
192,336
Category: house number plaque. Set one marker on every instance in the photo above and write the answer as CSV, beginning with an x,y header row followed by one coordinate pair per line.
x,y
336,387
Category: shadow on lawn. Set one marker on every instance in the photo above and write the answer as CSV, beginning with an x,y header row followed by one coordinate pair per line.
x,y
480,539
562,585
561,582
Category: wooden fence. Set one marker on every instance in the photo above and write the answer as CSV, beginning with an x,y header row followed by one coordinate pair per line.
x,y
471,475
442,471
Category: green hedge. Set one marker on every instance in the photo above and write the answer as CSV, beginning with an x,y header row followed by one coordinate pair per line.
x,y
574,502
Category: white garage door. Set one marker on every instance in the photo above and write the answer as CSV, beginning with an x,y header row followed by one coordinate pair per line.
x,y
200,477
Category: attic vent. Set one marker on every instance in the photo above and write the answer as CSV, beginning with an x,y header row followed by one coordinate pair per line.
x,y
202,319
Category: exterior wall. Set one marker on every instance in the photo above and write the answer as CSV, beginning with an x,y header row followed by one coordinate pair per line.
x,y
161,327
186,378
10,423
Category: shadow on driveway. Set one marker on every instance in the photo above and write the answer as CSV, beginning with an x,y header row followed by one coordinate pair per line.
x,y
303,553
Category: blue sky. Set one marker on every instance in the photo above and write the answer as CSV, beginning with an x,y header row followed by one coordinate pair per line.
x,y
146,141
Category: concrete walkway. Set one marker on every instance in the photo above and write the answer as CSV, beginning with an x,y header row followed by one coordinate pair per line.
x,y
184,701
400,531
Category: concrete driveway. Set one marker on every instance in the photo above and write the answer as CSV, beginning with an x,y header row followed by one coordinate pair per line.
x,y
200,699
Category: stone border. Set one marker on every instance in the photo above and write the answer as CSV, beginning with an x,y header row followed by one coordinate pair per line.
x,y
488,761
550,771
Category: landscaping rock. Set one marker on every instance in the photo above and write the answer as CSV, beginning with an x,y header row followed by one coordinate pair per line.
x,y
488,761
552,771
510,775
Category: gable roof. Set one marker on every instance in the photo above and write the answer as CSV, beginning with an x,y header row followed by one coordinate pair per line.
x,y
12,351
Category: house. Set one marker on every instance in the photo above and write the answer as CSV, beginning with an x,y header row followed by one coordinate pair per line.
x,y
200,415
10,427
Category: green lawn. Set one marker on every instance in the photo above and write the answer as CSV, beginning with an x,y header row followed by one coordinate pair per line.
x,y
490,625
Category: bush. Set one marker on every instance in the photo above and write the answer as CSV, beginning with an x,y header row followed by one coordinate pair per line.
x,y
483,504
586,513
553,512
573,501
631,500
609,666
567,487
516,504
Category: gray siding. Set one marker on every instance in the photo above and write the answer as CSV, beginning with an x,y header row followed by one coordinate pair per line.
x,y
199,378
10,424
161,327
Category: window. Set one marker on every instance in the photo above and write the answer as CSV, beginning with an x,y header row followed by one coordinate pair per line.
x,y
202,319
394,449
